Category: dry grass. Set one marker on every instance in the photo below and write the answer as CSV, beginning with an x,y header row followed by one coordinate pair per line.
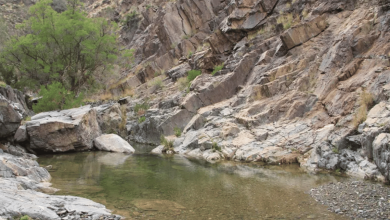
x,y
182,83
286,20
157,81
366,102
122,125
265,31
305,13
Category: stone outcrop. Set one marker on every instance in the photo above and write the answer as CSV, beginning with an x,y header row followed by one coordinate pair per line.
x,y
66,130
110,118
298,35
22,182
113,143
10,117
381,153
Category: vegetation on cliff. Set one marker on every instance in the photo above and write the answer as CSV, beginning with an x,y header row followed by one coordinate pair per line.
x,y
65,50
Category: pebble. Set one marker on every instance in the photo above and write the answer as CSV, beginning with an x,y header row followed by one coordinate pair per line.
x,y
357,199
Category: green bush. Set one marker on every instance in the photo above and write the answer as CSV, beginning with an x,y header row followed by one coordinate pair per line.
x,y
192,74
216,69
141,119
69,47
177,132
143,106
56,97
26,217
215,146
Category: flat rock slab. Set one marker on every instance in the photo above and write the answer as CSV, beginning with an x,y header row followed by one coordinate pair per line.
x,y
18,202
113,143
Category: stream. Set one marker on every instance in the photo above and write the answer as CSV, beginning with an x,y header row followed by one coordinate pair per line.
x,y
145,186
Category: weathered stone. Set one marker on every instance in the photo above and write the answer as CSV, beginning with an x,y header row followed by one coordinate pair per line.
x,y
300,34
21,134
18,98
113,143
178,120
196,122
9,117
67,130
109,118
192,103
381,154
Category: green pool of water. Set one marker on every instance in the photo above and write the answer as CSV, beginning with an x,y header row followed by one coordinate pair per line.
x,y
144,186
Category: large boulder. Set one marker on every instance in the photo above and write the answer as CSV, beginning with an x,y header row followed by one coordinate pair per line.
x,y
113,143
381,153
67,130
10,118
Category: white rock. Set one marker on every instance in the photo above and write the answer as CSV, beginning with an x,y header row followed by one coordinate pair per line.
x,y
114,143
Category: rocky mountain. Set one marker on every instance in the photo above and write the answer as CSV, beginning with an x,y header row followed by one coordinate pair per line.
x,y
281,81
302,81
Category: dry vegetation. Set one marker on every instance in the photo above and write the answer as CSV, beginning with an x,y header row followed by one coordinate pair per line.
x,y
366,102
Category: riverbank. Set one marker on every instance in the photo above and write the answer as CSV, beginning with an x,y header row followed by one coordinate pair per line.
x,y
355,199
26,188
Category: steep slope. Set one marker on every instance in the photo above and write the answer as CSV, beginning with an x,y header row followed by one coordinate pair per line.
x,y
298,80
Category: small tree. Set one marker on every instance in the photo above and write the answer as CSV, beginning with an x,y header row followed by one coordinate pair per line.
x,y
55,97
65,47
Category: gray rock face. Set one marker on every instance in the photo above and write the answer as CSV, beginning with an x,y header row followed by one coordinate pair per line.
x,y
109,118
113,143
18,98
302,33
381,153
21,134
12,167
67,130
10,118
16,201
20,181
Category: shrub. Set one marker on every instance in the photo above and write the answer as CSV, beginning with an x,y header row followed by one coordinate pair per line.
x,y
168,145
215,146
366,102
55,97
216,69
286,20
190,53
192,74
158,83
141,119
140,109
26,217
69,47
177,132
182,83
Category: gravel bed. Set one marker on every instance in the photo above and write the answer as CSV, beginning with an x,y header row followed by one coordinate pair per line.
x,y
357,199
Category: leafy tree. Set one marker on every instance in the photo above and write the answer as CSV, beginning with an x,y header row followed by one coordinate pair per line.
x,y
68,48
55,97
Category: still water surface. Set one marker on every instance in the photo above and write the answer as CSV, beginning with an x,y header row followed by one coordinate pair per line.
x,y
144,186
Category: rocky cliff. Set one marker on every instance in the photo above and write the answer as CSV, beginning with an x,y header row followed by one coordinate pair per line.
x,y
298,80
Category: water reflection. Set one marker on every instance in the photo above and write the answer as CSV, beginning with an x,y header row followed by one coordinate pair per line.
x,y
144,186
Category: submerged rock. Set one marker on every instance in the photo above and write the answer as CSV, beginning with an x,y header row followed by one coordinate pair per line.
x,y
114,143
